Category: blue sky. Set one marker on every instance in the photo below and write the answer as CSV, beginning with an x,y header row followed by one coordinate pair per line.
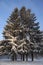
x,y
7,6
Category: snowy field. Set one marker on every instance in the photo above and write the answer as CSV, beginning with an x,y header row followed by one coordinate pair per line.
x,y
6,61
21,63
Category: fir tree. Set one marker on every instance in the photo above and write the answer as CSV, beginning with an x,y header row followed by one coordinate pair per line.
x,y
22,31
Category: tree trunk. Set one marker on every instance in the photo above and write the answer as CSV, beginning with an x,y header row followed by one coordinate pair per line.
x,y
23,57
27,57
32,55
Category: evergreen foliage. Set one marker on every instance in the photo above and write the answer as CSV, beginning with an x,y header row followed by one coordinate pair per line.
x,y
22,31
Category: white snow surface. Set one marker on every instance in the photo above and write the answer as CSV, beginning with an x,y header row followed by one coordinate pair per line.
x,y
21,63
6,61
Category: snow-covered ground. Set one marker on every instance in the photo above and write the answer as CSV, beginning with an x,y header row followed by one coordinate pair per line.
x,y
21,63
6,61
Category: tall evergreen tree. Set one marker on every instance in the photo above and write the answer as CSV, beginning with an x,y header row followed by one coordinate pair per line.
x,y
22,31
